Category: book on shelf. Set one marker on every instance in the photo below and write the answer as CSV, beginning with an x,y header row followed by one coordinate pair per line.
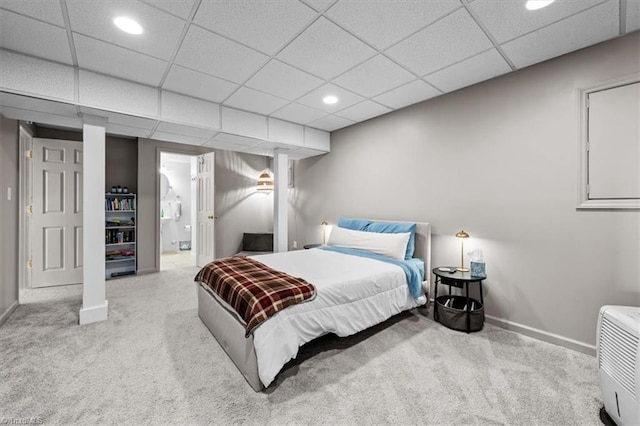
x,y
120,204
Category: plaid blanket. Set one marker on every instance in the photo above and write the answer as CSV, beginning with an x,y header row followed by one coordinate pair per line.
x,y
253,289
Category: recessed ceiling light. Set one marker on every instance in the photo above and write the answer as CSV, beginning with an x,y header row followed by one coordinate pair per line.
x,y
127,25
330,100
538,4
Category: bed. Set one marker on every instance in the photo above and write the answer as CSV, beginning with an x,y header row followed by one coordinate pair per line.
x,y
352,293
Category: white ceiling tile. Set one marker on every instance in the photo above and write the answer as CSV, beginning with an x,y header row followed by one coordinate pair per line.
x,y
95,18
35,104
385,22
485,66
363,111
318,4
183,139
48,11
409,94
507,20
300,153
44,79
446,42
185,109
317,139
41,117
286,132
254,101
252,22
261,149
119,129
244,123
298,113
203,50
283,80
632,22
236,139
325,50
95,55
331,123
43,40
121,119
216,144
345,98
182,130
595,25
117,95
197,84
181,8
373,77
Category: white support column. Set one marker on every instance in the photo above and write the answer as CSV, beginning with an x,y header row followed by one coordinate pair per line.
x,y
280,200
94,303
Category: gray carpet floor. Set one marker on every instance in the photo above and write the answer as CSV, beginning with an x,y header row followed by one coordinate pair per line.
x,y
154,361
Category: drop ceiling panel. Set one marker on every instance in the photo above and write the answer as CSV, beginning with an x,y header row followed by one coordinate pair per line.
x,y
117,95
319,5
300,153
251,22
444,43
212,54
41,117
216,144
254,101
48,11
283,80
184,109
284,131
485,66
375,76
181,8
35,104
325,50
345,98
409,94
363,111
122,119
385,22
263,149
181,129
244,123
632,22
317,139
118,129
197,84
117,61
44,40
298,113
95,18
44,79
507,20
178,138
237,140
331,123
597,24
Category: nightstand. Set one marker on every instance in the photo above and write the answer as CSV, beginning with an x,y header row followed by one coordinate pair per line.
x,y
458,312
310,246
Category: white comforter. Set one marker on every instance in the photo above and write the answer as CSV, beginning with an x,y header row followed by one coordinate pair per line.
x,y
353,293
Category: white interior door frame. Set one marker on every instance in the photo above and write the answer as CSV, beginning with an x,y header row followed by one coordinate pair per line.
x,y
205,216
25,199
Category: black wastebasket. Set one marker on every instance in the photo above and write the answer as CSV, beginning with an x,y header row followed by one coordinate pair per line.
x,y
452,312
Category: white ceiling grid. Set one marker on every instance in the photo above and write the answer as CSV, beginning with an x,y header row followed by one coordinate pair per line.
x,y
280,58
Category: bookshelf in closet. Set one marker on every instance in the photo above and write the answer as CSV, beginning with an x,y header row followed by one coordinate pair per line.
x,y
120,235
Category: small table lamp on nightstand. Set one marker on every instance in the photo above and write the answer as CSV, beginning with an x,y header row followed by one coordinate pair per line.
x,y
462,235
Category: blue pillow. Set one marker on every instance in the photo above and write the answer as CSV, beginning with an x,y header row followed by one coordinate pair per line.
x,y
355,224
396,228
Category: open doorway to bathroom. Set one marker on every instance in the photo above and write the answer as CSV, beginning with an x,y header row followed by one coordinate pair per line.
x,y
177,210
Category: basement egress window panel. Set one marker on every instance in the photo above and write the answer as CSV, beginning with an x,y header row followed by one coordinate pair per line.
x,y
610,146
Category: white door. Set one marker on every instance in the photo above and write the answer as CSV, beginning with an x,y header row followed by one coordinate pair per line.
x,y
56,231
205,242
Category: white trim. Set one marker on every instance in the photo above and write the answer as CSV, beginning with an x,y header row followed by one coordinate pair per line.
x,y
94,313
542,335
5,316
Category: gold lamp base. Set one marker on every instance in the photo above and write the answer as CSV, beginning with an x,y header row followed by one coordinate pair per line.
x,y
462,269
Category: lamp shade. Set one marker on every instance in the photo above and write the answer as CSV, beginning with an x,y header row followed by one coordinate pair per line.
x,y
265,182
462,234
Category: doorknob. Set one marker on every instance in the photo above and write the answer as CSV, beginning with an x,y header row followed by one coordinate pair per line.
x,y
210,217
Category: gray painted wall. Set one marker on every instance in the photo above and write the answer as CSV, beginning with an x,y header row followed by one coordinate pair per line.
x,y
9,134
499,160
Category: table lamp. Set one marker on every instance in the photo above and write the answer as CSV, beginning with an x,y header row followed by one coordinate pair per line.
x,y
324,232
462,235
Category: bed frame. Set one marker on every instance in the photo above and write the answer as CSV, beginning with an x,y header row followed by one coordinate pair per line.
x,y
223,322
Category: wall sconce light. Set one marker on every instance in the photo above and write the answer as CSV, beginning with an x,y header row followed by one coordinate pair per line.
x,y
462,235
324,231
265,182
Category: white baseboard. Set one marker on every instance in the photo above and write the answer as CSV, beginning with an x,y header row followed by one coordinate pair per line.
x,y
94,313
6,314
542,335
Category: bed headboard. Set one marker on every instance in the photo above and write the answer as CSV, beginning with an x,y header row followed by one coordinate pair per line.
x,y
422,244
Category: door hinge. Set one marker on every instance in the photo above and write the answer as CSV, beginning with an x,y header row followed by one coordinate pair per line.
x,y
30,154
30,263
30,208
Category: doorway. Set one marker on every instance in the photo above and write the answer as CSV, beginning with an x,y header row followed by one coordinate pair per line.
x,y
177,210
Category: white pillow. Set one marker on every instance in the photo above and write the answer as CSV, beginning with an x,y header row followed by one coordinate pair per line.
x,y
392,245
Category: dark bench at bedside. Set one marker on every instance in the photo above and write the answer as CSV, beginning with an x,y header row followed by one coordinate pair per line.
x,y
253,244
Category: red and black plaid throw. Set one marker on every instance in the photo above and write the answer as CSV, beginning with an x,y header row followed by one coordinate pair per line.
x,y
253,289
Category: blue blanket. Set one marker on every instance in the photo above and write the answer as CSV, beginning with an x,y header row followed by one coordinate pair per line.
x,y
413,268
